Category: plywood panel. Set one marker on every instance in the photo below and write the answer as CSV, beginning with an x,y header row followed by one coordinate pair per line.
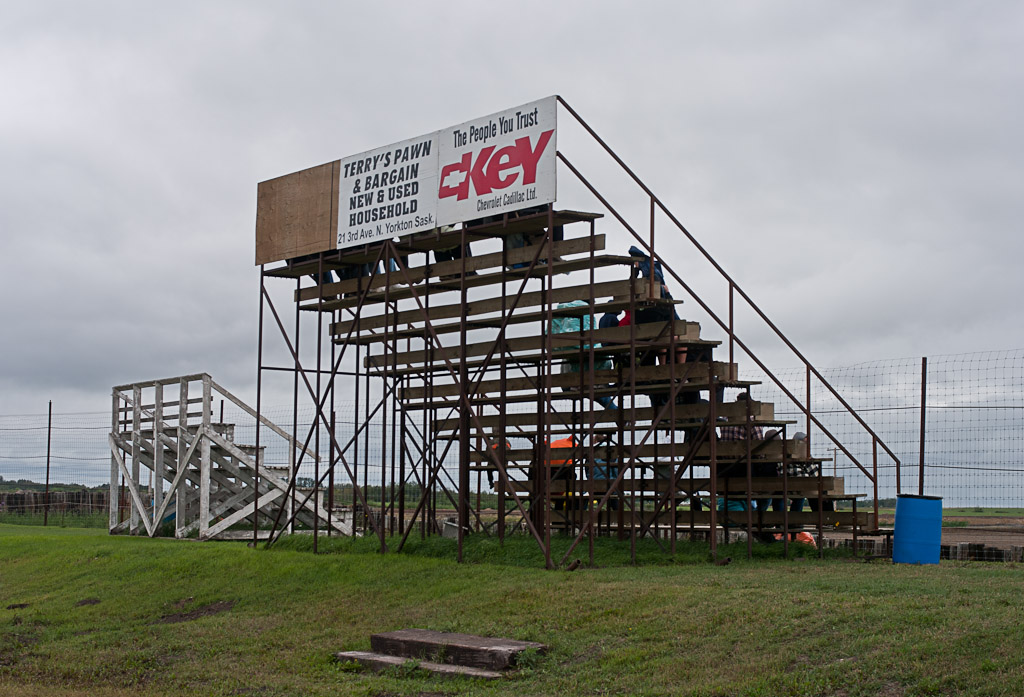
x,y
296,214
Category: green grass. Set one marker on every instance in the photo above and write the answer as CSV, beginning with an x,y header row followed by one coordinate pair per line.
x,y
58,520
984,512
763,627
523,551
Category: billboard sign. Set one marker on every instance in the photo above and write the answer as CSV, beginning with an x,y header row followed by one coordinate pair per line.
x,y
489,166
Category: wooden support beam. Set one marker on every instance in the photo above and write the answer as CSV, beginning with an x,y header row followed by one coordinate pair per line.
x,y
419,274
686,331
366,322
764,412
727,451
569,381
734,487
424,241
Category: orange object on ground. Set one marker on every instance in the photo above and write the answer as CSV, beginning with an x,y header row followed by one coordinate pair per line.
x,y
804,537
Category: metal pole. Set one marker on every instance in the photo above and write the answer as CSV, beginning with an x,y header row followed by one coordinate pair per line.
x,y
464,407
333,437
732,330
319,365
293,469
49,433
924,400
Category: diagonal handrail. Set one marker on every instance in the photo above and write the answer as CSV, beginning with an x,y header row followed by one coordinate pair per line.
x,y
656,201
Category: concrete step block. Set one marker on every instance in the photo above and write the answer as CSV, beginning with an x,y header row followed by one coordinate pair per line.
x,y
380,661
490,653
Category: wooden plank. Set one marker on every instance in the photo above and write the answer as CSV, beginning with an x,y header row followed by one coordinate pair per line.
x,y
733,487
136,445
520,316
205,464
763,412
571,381
243,512
404,292
524,360
180,457
263,420
158,454
419,274
737,520
562,426
113,503
379,662
432,239
492,305
295,214
568,394
165,381
727,451
687,331
132,488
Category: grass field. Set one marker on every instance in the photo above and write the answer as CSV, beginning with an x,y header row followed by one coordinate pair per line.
x,y
984,512
267,622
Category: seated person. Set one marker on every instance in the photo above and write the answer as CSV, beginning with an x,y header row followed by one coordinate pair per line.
x,y
318,278
452,253
572,324
517,240
806,470
738,468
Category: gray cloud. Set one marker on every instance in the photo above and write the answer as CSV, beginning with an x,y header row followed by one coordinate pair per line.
x,y
856,167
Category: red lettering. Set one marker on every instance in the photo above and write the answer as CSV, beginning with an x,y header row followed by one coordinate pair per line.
x,y
493,170
461,190
505,159
481,181
529,157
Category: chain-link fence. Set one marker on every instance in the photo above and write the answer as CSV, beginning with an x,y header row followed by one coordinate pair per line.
x,y
973,418
973,444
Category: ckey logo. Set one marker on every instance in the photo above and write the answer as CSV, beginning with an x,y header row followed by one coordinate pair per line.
x,y
493,170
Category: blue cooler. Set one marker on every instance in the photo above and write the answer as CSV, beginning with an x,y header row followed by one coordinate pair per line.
x,y
918,529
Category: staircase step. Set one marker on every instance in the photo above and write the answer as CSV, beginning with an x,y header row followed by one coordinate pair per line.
x,y
380,661
490,653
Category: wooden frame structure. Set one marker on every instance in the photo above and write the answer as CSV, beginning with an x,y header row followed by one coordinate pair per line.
x,y
183,469
458,373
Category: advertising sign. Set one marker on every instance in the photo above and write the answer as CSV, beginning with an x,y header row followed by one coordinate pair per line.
x,y
489,166
388,192
500,163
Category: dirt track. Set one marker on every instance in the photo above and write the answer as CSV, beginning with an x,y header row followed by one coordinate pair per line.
x,y
1001,532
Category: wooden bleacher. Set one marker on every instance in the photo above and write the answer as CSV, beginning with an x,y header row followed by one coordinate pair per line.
x,y
475,352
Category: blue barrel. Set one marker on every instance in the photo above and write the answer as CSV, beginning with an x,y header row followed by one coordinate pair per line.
x,y
918,530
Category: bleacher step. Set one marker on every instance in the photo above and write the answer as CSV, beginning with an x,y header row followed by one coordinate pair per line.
x,y
489,653
380,661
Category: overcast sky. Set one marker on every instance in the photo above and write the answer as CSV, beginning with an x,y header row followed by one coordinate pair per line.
x,y
857,167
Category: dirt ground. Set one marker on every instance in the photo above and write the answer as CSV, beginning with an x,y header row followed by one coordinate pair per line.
x,y
992,531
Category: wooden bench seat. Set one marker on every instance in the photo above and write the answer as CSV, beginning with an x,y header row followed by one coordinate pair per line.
x,y
655,377
762,487
686,414
430,240
487,306
528,359
687,331
735,520
399,290
441,269
726,450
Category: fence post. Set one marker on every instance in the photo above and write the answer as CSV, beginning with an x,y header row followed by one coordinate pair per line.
x,y
49,433
924,386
